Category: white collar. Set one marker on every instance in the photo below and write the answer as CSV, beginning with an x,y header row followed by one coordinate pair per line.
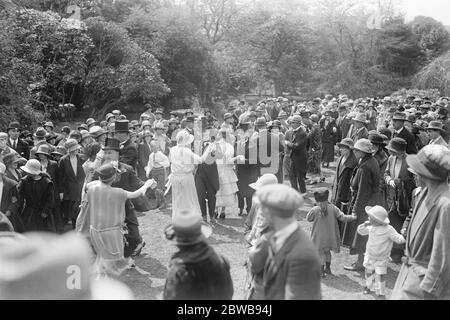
x,y
399,130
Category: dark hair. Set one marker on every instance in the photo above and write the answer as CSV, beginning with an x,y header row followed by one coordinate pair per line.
x,y
92,150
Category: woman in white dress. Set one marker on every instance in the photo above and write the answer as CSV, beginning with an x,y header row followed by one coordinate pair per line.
x,y
226,196
183,162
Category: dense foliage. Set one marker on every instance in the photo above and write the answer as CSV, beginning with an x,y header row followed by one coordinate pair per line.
x,y
175,52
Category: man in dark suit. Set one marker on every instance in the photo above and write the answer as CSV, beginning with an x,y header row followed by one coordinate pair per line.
x,y
398,122
9,203
128,149
299,155
71,177
292,268
14,142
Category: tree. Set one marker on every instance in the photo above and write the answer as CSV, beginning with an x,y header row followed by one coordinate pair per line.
x,y
433,38
435,75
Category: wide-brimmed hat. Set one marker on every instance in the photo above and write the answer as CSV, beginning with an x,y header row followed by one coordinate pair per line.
x,y
39,266
363,145
347,143
282,200
10,158
49,124
321,194
90,121
107,171
397,145
360,117
122,126
43,149
40,133
84,134
184,138
109,116
432,161
376,138
264,180
72,145
59,151
435,125
187,229
96,131
399,116
14,125
112,144
378,213
83,126
146,123
32,166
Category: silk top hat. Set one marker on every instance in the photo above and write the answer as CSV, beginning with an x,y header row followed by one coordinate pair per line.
x,y
10,158
397,145
122,126
40,132
376,138
360,117
378,213
14,125
43,149
264,180
32,166
72,145
399,116
363,145
96,131
432,161
346,142
187,229
184,138
39,266
280,199
112,144
435,125
321,194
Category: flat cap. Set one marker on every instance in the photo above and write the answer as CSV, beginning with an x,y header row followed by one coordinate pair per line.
x,y
281,199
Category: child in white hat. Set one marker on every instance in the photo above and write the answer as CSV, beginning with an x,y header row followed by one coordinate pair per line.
x,y
378,248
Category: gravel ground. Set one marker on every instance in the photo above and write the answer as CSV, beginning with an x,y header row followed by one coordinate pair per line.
x,y
147,280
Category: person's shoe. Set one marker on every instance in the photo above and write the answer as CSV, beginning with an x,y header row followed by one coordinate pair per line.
x,y
366,290
137,251
354,267
328,269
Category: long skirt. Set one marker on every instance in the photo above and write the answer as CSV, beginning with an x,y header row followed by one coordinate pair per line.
x,y
314,164
328,152
226,196
184,193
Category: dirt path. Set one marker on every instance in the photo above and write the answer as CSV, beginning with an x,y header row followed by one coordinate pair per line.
x,y
147,280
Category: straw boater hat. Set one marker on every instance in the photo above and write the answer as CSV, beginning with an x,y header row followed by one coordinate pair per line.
x,y
184,138
378,213
346,142
39,266
260,123
397,145
432,161
282,200
264,180
32,167
363,145
72,145
435,125
187,229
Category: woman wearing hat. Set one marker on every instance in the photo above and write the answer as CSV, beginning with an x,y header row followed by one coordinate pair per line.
x,y
196,271
365,191
315,151
380,155
144,150
36,195
11,161
329,131
400,185
105,215
8,201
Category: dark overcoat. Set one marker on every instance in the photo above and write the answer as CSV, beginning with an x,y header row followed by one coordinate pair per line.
x,y
129,153
299,153
341,185
248,171
10,202
71,184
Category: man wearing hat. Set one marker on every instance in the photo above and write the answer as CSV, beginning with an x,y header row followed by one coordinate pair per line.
x,y
14,142
299,154
293,268
110,118
116,114
64,136
358,128
435,130
162,140
343,122
4,148
128,149
400,185
196,271
48,126
71,177
424,273
443,117
398,123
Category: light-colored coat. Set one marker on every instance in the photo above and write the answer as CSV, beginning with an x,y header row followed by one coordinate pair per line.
x,y
427,248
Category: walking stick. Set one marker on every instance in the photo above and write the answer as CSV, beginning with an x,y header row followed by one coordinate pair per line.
x,y
344,209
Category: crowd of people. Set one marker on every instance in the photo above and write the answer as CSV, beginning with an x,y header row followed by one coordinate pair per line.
x,y
389,199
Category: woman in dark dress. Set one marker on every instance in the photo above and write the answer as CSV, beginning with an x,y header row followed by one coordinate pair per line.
x,y
381,156
365,189
11,161
329,138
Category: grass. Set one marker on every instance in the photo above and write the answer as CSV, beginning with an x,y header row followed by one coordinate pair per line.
x,y
147,280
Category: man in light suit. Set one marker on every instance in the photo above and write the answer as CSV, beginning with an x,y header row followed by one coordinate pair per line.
x,y
292,269
425,273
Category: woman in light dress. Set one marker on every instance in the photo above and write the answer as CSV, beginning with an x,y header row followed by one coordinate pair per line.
x,y
226,196
106,217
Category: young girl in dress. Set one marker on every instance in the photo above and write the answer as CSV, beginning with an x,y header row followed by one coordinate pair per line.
x,y
325,229
106,208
